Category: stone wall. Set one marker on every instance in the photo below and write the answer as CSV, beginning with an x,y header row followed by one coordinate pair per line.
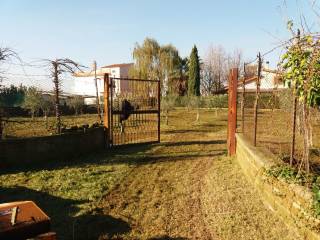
x,y
26,151
291,202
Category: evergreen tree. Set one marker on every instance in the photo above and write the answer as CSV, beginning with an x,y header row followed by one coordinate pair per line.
x,y
194,73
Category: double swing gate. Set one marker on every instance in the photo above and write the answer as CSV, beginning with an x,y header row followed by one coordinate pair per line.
x,y
134,111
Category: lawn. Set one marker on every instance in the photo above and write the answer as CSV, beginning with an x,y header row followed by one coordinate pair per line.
x,y
183,188
27,127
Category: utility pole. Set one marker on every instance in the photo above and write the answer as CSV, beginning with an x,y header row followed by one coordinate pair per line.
x,y
97,93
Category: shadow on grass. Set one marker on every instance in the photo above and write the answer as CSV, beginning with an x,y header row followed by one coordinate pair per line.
x,y
172,158
181,131
167,238
108,156
67,226
170,144
128,154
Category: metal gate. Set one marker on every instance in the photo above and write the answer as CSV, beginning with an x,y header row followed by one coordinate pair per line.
x,y
134,111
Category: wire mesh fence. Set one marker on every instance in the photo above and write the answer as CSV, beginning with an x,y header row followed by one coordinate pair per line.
x,y
29,111
278,125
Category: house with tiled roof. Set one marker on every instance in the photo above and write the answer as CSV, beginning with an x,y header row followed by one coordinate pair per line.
x,y
270,80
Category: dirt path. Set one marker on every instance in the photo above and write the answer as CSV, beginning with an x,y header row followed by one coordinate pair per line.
x,y
187,188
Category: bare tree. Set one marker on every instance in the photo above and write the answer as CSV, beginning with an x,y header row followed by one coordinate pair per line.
x,y
235,60
214,69
207,77
6,54
58,67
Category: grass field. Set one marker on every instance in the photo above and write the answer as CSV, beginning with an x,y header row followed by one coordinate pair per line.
x,y
183,188
26,127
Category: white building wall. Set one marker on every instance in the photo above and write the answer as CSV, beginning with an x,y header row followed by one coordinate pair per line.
x,y
267,83
86,85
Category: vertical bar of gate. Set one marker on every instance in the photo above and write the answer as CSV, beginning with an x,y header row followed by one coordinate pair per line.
x,y
159,95
257,101
106,116
111,111
232,111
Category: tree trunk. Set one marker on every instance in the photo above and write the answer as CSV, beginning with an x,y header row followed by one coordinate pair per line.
x,y
46,118
293,129
1,124
219,81
198,115
167,117
310,129
306,136
57,93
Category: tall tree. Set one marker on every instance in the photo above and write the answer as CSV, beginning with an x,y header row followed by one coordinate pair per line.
x,y
160,62
194,73
146,60
214,69
170,64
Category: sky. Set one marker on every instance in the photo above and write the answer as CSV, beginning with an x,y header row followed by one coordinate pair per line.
x,y
106,31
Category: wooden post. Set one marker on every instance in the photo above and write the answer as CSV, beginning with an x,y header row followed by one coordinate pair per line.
x,y
97,92
232,111
106,112
293,129
255,110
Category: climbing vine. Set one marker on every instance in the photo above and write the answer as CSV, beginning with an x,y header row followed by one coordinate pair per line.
x,y
300,65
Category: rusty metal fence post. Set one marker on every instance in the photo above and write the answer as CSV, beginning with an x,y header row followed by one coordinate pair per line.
x,y
232,111
255,110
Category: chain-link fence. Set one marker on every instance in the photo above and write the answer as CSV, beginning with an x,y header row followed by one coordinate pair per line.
x,y
268,119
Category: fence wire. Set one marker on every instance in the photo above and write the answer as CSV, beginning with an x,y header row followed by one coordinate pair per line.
x,y
275,118
30,111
